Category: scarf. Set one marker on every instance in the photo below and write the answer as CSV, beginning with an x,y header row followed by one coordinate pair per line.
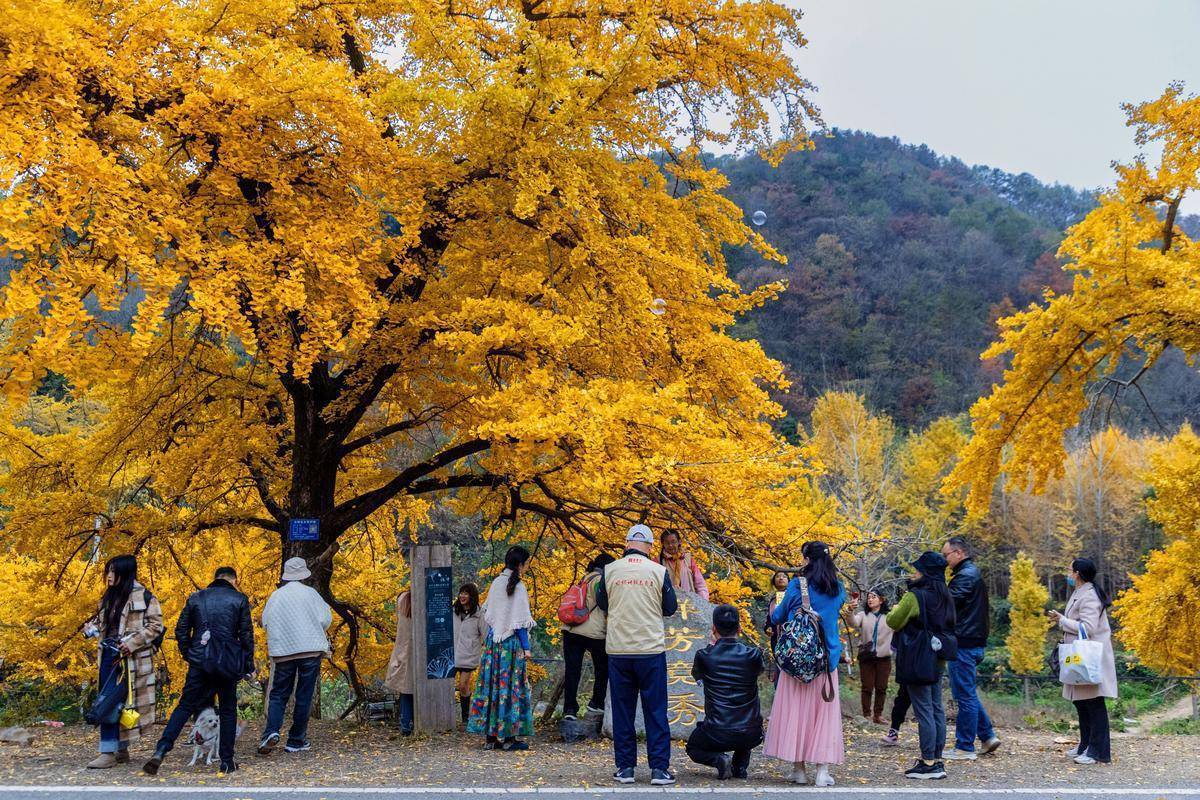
x,y
504,614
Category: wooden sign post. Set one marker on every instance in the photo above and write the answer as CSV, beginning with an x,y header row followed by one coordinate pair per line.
x,y
433,638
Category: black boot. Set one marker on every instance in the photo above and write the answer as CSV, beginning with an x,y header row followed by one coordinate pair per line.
x,y
151,766
464,703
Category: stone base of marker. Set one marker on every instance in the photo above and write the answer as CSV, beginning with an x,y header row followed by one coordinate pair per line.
x,y
582,729
688,631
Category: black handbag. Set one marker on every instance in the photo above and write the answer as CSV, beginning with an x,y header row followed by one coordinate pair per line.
x,y
110,699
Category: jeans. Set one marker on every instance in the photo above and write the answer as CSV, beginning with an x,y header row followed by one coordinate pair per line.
x,y
574,648
406,714
973,722
630,677
931,719
900,707
300,674
110,735
706,745
198,691
1093,729
875,673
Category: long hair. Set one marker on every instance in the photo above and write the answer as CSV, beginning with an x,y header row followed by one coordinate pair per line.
x,y
472,592
820,571
514,558
600,562
1087,570
116,596
883,601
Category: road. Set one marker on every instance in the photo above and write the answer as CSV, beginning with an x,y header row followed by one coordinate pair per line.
x,y
933,792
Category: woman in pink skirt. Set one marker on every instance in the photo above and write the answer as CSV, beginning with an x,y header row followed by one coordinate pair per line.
x,y
805,728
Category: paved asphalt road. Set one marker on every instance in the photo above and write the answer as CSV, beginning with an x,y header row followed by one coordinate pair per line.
x,y
927,791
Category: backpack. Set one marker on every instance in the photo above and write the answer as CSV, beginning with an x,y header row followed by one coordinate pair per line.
x,y
573,608
157,641
800,647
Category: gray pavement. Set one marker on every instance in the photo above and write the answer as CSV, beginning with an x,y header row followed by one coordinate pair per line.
x,y
938,791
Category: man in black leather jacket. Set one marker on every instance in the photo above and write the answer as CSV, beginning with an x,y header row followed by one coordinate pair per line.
x,y
732,721
971,630
218,612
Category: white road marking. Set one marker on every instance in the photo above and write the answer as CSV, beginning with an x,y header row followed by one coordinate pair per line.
x,y
1047,791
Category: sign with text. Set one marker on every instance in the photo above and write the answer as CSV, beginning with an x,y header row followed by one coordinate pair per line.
x,y
304,530
439,623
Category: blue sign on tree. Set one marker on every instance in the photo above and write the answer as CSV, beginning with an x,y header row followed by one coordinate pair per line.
x,y
304,530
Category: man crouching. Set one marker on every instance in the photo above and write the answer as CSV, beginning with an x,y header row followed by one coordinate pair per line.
x,y
732,722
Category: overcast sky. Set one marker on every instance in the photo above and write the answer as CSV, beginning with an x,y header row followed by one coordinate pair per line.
x,y
1025,85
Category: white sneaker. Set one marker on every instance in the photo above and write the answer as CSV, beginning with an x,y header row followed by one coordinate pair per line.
x,y
954,754
1084,759
823,776
798,775
1074,751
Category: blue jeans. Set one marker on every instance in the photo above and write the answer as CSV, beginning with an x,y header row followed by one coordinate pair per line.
x,y
630,677
300,675
110,735
406,714
973,722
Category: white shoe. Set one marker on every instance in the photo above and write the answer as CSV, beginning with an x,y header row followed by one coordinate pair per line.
x,y
798,776
1074,751
954,754
1084,759
823,776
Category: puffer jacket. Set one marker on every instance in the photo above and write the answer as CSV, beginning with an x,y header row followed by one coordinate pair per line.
x,y
729,671
970,605
226,612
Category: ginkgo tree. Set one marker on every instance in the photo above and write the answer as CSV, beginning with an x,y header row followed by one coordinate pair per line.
x,y
383,255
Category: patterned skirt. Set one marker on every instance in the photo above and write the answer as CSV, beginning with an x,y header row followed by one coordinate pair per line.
x,y
501,707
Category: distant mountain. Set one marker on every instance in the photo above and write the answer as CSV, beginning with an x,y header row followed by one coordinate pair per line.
x,y
899,263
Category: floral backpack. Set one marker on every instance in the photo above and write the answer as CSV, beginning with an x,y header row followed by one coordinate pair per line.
x,y
800,648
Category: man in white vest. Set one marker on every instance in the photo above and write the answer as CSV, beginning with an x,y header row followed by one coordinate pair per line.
x,y
637,594
295,618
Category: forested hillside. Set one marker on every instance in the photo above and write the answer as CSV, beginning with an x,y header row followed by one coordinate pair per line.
x,y
899,262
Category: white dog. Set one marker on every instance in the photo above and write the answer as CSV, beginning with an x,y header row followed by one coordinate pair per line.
x,y
206,735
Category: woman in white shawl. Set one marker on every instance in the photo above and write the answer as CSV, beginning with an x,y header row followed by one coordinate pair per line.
x,y
501,709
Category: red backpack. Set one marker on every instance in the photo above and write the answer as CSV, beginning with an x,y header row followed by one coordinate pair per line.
x,y
573,608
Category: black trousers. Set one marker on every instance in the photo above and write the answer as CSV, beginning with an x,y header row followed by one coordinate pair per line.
x,y
574,647
198,692
706,745
1093,729
900,707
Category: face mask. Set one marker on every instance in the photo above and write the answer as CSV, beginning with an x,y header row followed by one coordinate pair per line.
x,y
1070,580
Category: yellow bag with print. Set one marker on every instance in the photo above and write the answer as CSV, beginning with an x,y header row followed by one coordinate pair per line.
x,y
129,715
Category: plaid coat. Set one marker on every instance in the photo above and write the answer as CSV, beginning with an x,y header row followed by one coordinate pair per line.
x,y
140,624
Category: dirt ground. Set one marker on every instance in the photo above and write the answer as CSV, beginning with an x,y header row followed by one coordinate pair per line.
x,y
355,754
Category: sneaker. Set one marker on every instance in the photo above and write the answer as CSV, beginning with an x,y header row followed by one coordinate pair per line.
x,y
923,771
268,744
594,712
514,745
623,775
661,777
991,744
297,748
1084,759
798,776
891,738
724,767
1074,751
151,766
823,777
227,767
568,717
960,755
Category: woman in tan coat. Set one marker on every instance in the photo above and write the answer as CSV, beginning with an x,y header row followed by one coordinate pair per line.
x,y
1088,608
128,623
399,678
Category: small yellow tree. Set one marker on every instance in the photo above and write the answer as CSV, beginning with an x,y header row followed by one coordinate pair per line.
x,y
1027,635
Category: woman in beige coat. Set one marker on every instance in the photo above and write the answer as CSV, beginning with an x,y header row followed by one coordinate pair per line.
x,y
1088,608
399,678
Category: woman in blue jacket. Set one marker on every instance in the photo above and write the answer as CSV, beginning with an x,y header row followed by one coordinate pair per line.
x,y
805,728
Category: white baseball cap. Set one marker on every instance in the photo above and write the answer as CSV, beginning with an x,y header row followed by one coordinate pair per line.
x,y
640,533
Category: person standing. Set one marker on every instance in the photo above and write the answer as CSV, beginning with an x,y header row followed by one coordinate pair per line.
x,y
470,631
587,637
686,575
129,624
925,612
874,654
399,678
805,727
971,610
501,709
637,595
728,671
1087,610
295,618
216,638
